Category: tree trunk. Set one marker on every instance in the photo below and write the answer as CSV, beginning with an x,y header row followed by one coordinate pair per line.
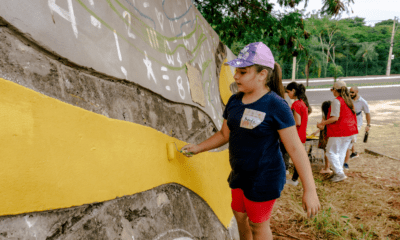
x,y
308,70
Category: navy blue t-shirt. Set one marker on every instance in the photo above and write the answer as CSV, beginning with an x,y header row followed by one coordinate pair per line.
x,y
254,154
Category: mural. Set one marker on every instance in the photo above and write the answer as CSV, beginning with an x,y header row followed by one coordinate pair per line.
x,y
64,149
72,156
149,44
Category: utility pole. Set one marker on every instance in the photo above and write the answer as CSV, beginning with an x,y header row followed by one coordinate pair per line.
x,y
294,69
391,50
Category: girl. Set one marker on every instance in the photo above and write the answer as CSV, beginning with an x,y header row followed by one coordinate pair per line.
x,y
323,139
341,124
301,109
254,120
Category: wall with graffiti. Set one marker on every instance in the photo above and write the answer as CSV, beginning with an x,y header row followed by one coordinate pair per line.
x,y
152,43
91,94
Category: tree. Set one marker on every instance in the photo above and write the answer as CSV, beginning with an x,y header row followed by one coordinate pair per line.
x,y
367,52
313,54
326,28
245,21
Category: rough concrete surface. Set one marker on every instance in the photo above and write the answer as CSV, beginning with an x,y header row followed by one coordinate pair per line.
x,y
36,70
166,212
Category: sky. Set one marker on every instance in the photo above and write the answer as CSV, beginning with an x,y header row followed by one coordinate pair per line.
x,y
372,10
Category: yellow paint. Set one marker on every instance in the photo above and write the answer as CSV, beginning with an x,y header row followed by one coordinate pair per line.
x,y
225,80
54,155
171,151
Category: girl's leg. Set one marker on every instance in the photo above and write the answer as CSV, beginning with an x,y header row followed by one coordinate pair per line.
x,y
261,231
243,225
239,210
326,162
295,175
259,214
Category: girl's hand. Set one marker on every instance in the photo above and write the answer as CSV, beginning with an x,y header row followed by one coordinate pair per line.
x,y
190,150
320,126
315,133
311,203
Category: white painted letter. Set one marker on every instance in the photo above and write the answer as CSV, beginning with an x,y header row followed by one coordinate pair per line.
x,y
67,15
116,42
150,72
160,18
170,58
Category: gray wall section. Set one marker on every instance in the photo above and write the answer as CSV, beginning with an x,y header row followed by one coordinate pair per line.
x,y
127,39
163,213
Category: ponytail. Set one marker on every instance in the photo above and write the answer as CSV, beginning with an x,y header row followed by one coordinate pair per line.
x,y
344,93
300,93
274,78
325,108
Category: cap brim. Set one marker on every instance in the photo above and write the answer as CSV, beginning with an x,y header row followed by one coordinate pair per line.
x,y
238,63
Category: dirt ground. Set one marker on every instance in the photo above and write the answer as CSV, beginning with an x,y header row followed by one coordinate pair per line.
x,y
384,135
364,206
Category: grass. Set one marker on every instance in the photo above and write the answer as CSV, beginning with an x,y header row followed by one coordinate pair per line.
x,y
355,84
364,206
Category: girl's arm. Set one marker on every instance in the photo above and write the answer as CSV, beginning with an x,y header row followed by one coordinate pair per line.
x,y
315,133
297,118
297,152
218,139
326,122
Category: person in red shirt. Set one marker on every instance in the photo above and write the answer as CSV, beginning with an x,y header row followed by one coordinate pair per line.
x,y
341,125
301,109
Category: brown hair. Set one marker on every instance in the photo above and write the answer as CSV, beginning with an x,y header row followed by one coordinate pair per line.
x,y
274,78
344,93
300,93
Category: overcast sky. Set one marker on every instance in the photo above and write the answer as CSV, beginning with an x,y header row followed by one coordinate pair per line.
x,y
372,10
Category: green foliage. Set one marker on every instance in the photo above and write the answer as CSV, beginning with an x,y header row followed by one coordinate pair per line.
x,y
240,22
335,70
330,223
388,22
359,49
318,40
367,51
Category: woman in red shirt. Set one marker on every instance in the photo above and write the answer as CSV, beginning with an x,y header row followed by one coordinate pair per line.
x,y
341,125
301,109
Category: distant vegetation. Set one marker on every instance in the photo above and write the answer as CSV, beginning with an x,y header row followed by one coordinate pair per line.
x,y
324,44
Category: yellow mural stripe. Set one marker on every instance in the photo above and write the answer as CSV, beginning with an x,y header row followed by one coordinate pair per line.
x,y
55,155
225,80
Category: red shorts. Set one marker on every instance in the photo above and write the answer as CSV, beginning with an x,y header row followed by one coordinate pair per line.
x,y
256,211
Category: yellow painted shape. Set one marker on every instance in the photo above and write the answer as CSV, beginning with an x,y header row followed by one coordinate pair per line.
x,y
225,80
55,155
171,151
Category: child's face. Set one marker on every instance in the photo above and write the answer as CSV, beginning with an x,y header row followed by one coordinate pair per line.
x,y
248,79
291,93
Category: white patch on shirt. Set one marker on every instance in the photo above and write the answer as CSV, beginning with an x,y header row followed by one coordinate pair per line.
x,y
251,118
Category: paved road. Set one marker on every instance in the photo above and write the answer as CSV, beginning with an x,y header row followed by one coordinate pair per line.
x,y
369,93
348,81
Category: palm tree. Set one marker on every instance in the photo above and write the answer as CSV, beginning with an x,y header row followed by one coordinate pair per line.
x,y
313,54
367,52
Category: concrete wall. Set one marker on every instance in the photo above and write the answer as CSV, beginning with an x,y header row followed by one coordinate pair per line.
x,y
145,42
91,93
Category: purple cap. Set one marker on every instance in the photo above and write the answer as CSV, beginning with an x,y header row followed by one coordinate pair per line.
x,y
254,53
